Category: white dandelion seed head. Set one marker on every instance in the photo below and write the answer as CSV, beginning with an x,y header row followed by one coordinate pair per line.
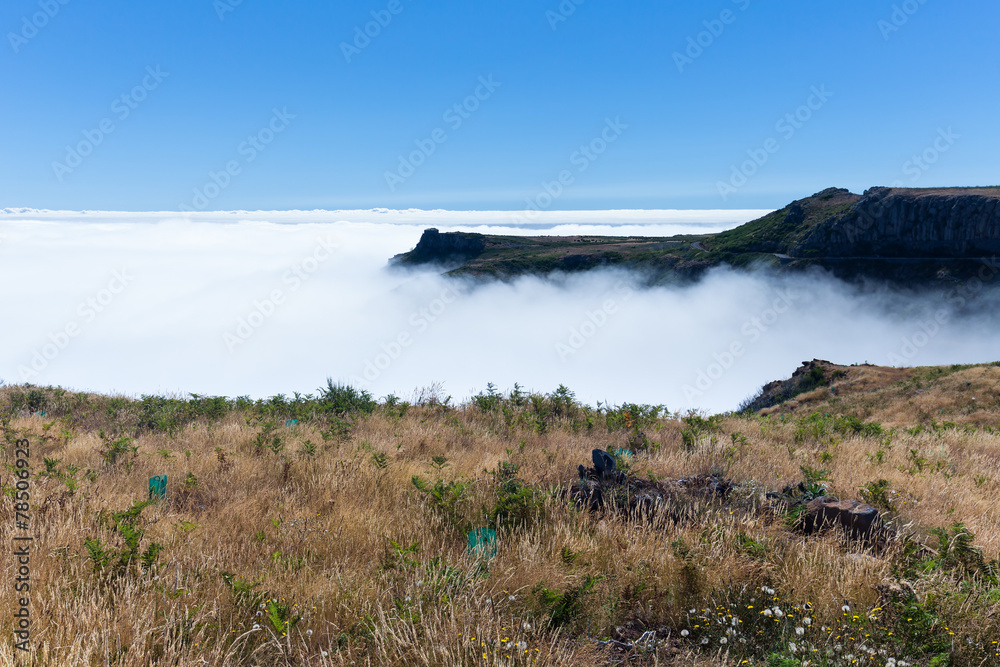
x,y
768,612
522,645
309,633
684,633
723,641
526,625
800,631
692,611
777,611
512,598
807,621
845,608
792,647
704,640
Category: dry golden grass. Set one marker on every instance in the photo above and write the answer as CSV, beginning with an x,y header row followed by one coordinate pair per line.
x,y
328,534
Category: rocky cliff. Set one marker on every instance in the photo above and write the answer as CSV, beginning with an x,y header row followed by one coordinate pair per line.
x,y
892,222
911,236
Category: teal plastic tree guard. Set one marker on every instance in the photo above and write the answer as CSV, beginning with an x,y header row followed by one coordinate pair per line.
x,y
158,487
624,453
483,542
291,422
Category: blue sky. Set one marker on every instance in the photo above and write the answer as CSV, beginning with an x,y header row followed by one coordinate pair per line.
x,y
897,80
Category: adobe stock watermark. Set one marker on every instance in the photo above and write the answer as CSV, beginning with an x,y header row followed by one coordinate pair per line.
x,y
787,126
911,345
121,108
223,7
30,25
363,35
751,331
921,163
901,15
562,13
582,158
595,320
454,116
88,310
915,168
699,43
248,150
293,279
419,321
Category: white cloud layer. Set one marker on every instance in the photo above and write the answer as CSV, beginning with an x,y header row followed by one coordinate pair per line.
x,y
250,304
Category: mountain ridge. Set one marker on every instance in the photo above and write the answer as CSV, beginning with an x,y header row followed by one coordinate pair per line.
x,y
893,234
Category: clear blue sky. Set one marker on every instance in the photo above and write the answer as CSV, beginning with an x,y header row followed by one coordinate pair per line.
x,y
892,93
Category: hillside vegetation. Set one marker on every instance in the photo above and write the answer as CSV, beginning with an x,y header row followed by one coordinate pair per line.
x,y
343,538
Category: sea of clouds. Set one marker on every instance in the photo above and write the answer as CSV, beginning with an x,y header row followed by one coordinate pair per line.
x,y
261,303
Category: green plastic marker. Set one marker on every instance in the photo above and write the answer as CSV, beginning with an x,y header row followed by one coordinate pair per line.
x,y
291,422
42,413
158,487
483,542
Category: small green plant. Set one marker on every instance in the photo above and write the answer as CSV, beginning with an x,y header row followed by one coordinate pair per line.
x,y
517,503
115,450
267,438
190,482
446,498
125,525
877,493
308,448
564,607
282,616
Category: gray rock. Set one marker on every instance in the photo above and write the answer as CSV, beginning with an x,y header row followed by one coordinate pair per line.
x,y
858,518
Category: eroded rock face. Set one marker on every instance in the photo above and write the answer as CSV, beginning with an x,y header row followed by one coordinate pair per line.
x,y
444,248
860,519
899,222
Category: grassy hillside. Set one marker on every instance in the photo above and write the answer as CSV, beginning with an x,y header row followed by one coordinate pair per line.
x,y
343,538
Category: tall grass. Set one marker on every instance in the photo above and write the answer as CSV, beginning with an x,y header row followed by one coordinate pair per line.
x,y
345,542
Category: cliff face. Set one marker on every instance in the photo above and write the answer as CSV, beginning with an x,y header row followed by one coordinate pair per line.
x,y
437,248
887,222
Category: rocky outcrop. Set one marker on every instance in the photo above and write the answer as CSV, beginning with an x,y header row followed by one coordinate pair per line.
x,y
857,518
910,223
448,248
